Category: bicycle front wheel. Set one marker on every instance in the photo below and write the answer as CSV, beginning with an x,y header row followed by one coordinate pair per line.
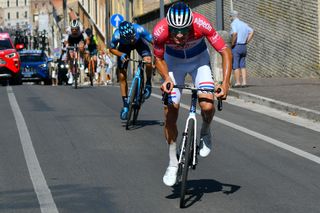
x,y
139,103
91,75
186,160
75,77
132,102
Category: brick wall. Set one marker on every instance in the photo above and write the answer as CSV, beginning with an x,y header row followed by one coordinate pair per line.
x,y
286,40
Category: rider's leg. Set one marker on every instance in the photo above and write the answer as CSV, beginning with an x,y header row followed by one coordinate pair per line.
x,y
148,87
124,93
203,79
148,68
171,132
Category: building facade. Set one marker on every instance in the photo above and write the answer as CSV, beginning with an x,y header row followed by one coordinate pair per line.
x,y
14,13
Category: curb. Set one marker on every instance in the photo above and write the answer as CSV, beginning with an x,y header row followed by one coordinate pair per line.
x,y
282,106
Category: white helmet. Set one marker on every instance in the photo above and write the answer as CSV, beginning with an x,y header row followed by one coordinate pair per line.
x,y
179,15
75,24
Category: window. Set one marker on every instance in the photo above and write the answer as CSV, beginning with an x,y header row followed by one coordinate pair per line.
x,y
26,14
17,14
8,16
25,2
8,3
17,3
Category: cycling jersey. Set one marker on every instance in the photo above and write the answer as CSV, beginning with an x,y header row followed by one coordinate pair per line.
x,y
140,33
75,40
195,44
141,36
92,47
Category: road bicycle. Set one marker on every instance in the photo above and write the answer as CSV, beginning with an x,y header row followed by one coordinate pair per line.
x,y
136,94
75,64
189,147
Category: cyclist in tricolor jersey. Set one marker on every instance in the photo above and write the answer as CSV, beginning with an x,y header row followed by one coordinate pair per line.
x,y
180,49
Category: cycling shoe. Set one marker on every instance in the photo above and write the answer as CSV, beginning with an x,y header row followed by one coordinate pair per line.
x,y
170,177
147,91
124,113
205,145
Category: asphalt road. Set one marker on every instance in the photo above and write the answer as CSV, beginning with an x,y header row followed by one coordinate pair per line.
x,y
66,150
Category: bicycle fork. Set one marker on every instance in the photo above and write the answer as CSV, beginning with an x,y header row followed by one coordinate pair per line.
x,y
192,115
194,146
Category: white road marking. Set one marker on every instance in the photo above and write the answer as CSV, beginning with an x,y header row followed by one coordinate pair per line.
x,y
265,138
306,123
47,204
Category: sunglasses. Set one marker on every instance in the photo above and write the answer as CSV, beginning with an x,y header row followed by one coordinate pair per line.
x,y
182,31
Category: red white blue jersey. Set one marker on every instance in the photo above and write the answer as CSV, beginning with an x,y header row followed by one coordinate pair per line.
x,y
195,44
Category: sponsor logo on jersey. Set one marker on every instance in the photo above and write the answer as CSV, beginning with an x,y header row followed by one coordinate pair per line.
x,y
159,31
214,38
201,23
140,30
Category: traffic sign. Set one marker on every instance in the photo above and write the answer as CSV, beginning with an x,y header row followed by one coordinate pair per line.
x,y
116,19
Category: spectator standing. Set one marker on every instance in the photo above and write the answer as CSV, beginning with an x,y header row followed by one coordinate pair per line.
x,y
241,35
109,67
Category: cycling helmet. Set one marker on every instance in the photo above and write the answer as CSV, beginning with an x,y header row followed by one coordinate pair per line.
x,y
126,31
179,15
88,32
74,24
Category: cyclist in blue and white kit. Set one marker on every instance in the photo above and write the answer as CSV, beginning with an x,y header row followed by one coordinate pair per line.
x,y
128,37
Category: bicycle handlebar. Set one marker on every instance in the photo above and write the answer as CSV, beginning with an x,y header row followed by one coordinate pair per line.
x,y
188,87
139,61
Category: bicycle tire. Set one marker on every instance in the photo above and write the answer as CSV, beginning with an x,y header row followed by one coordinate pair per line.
x,y
138,107
91,76
132,102
75,78
187,160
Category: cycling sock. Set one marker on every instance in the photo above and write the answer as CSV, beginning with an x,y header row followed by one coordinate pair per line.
x,y
125,101
173,161
148,82
205,128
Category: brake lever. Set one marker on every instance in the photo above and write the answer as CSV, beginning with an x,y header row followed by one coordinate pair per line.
x,y
220,106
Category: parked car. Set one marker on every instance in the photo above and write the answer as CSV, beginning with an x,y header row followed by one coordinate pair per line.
x,y
9,61
35,66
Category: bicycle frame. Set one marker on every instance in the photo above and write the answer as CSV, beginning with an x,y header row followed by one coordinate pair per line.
x,y
135,97
192,115
75,60
139,76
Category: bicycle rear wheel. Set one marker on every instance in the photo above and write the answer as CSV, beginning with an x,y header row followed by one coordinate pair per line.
x,y
132,102
186,160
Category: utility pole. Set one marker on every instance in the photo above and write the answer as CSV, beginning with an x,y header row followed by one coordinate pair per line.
x,y
107,23
64,15
231,5
219,12
161,9
127,10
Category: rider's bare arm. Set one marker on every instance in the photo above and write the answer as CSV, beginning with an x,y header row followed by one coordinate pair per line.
x,y
226,69
162,67
116,52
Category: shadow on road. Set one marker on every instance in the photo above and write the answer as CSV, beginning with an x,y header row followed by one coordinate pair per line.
x,y
142,123
197,188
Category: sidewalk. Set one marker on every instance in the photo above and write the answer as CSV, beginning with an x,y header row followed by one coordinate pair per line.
x,y
298,97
